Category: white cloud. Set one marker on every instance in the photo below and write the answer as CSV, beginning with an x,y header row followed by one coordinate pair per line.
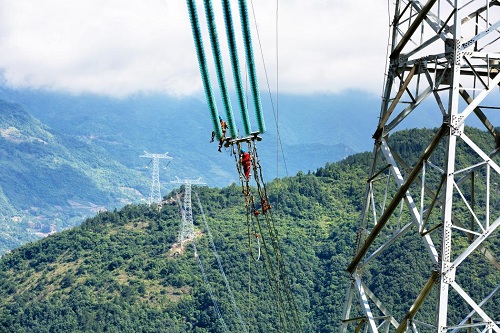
x,y
121,47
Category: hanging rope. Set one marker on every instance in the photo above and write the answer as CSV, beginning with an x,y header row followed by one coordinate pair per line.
x,y
251,216
266,208
274,263
250,209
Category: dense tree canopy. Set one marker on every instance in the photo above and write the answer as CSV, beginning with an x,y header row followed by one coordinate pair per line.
x,y
117,272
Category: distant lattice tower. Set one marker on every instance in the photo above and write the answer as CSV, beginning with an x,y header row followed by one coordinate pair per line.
x,y
444,66
187,227
155,194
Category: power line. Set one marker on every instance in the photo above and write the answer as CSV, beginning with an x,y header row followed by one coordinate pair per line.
x,y
214,249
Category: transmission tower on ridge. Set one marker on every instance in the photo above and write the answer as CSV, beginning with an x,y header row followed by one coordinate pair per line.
x,y
155,194
444,66
187,227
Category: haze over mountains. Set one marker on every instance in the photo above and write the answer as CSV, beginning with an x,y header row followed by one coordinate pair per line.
x,y
66,157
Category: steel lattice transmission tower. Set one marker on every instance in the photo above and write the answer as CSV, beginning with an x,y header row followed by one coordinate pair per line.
x,y
187,227
429,225
155,194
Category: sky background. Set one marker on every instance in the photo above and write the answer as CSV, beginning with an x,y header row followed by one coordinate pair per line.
x,y
124,47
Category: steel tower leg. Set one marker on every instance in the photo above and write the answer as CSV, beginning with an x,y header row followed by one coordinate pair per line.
x,y
444,67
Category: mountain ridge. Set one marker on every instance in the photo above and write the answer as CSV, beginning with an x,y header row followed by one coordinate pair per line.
x,y
115,272
49,179
92,146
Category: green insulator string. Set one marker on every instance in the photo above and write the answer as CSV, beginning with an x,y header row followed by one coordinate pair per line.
x,y
233,51
214,41
254,86
202,62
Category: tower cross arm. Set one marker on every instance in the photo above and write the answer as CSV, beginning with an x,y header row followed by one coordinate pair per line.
x,y
149,155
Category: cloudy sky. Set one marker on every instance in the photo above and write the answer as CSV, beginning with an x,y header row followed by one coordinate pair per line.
x,y
123,47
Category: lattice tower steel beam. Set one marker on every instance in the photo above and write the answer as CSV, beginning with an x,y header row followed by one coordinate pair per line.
x,y
186,232
444,65
155,193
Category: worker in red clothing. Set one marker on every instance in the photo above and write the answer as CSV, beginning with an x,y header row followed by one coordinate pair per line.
x,y
245,162
265,206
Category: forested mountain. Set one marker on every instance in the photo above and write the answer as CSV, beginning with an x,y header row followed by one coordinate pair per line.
x,y
66,157
51,181
92,160
117,272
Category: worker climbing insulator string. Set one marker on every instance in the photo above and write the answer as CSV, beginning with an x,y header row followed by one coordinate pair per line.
x,y
254,227
253,233
267,233
260,223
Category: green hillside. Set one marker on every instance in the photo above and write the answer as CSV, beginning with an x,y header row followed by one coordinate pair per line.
x,y
52,180
64,158
117,271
